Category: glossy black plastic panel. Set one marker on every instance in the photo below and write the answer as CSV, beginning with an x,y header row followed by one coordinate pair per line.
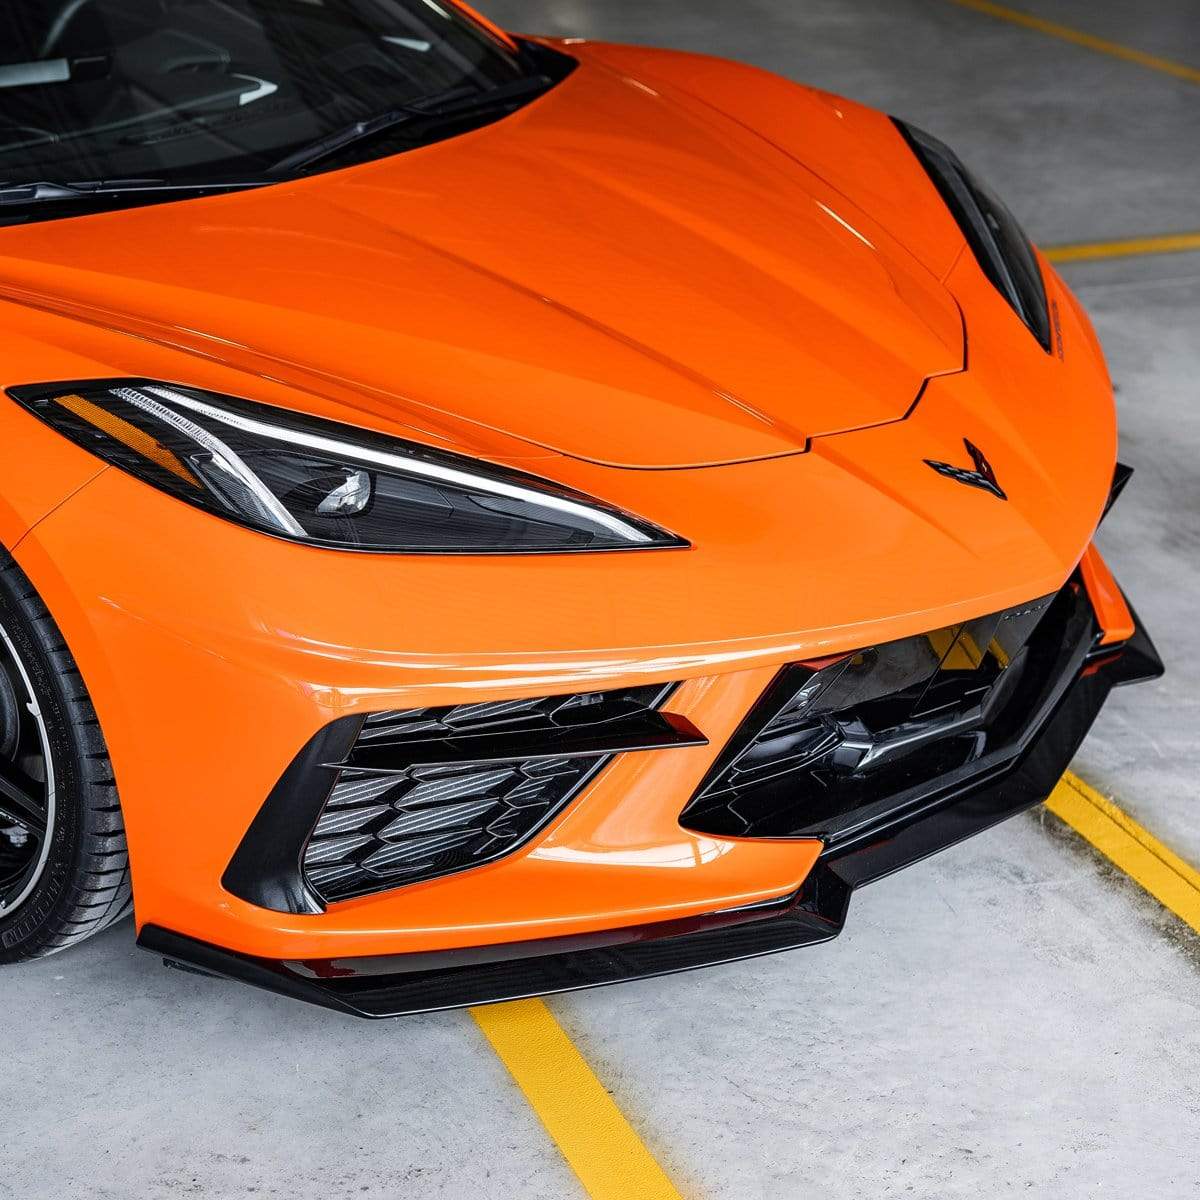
x,y
266,868
394,987
1122,474
998,242
825,750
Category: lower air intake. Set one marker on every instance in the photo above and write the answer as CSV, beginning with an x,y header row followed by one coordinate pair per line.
x,y
428,792
832,745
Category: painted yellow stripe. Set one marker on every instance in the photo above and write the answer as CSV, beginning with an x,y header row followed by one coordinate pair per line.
x,y
1168,243
597,1141
1171,881
1080,38
594,1136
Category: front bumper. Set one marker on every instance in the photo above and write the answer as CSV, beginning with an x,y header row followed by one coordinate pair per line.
x,y
213,654
951,808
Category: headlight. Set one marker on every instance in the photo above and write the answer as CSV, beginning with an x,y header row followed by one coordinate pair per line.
x,y
999,243
323,483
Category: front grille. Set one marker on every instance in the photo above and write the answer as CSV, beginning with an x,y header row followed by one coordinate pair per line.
x,y
427,792
832,743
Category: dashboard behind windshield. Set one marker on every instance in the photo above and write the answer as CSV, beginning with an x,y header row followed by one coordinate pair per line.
x,y
190,91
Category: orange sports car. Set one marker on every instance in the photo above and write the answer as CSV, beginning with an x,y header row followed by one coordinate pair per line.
x,y
486,515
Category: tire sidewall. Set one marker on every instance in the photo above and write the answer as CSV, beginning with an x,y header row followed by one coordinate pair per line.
x,y
23,930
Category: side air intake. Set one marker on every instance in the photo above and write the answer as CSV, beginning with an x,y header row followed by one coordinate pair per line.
x,y
403,797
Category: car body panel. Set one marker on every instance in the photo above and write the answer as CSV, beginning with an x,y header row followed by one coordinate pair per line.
x,y
213,664
669,290
852,148
39,468
565,340
1112,611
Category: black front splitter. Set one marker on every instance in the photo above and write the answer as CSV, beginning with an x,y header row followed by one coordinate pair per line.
x,y
412,983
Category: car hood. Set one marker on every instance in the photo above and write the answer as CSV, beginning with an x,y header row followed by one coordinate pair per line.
x,y
615,272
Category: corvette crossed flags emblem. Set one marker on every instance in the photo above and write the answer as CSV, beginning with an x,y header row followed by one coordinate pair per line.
x,y
982,476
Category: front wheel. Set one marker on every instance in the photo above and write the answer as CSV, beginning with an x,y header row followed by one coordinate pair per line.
x,y
64,867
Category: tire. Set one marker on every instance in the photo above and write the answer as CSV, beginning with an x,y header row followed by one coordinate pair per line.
x,y
71,883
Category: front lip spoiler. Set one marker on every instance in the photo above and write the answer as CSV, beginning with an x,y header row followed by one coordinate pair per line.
x,y
412,983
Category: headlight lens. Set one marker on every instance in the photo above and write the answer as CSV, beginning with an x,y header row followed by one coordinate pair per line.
x,y
999,243
324,483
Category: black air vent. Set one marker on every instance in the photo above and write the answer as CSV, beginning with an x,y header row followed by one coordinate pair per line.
x,y
829,744
430,791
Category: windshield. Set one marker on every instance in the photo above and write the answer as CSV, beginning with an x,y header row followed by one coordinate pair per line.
x,y
195,91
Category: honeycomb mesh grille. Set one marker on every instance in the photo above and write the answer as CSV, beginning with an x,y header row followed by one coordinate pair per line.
x,y
430,820
428,792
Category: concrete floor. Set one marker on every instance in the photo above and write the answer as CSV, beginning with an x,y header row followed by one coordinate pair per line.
x,y
1011,1018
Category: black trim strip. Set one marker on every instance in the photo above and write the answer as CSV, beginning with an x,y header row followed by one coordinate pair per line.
x,y
645,731
616,956
1122,474
267,867
1010,263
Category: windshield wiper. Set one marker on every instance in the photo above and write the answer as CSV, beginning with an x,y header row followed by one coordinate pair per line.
x,y
456,102
48,190
463,101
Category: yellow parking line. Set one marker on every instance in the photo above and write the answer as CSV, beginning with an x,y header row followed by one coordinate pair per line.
x,y
1167,243
1171,881
597,1141
1080,38
594,1136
